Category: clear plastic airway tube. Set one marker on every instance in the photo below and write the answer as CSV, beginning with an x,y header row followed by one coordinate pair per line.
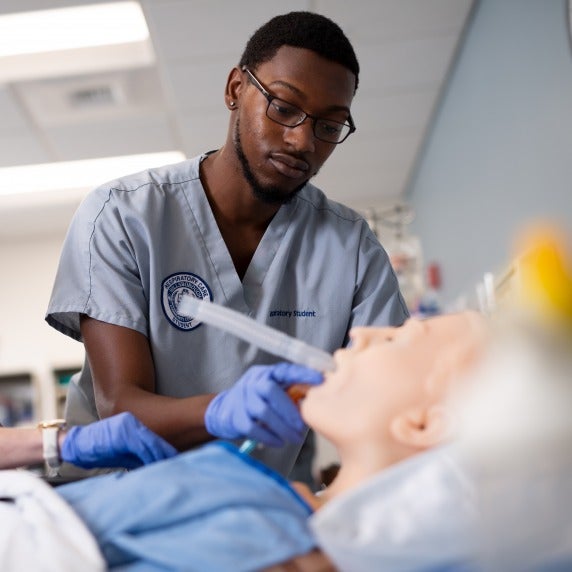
x,y
260,335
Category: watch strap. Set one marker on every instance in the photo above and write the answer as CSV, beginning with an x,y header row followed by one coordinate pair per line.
x,y
50,445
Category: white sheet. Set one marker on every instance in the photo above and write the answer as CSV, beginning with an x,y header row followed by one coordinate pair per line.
x,y
416,515
39,531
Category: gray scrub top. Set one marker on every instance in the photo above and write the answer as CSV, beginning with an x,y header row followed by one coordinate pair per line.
x,y
137,244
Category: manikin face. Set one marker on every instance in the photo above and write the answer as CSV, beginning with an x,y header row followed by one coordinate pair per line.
x,y
276,160
387,372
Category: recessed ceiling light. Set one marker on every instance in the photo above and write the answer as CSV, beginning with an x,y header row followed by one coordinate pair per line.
x,y
71,28
85,174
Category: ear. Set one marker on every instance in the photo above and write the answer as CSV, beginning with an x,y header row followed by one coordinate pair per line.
x,y
234,85
422,427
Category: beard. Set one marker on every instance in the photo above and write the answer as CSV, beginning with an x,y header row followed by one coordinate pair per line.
x,y
268,194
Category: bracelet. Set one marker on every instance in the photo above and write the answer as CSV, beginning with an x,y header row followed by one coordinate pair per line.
x,y
50,433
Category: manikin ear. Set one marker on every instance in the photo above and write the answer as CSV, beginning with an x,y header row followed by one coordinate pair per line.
x,y
422,427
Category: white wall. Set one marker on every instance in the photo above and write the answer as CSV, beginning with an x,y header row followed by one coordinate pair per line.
x,y
27,343
500,151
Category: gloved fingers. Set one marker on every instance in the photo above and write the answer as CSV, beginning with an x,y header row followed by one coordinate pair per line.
x,y
275,434
273,426
272,398
286,374
264,435
279,433
240,423
85,447
152,447
118,441
257,406
137,444
273,409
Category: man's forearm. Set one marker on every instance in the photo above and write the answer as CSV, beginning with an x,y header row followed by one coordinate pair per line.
x,y
180,421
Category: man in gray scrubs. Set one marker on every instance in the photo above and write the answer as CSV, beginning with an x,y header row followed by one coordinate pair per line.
x,y
243,227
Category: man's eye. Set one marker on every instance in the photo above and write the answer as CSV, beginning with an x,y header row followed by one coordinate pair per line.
x,y
329,128
284,110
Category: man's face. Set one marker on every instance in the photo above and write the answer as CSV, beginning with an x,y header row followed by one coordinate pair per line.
x,y
277,161
385,372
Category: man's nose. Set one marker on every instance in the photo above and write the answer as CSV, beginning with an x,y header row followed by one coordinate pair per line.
x,y
302,136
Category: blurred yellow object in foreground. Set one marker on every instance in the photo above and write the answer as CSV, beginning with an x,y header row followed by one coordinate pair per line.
x,y
544,268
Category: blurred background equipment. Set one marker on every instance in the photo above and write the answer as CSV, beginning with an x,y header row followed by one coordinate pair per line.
x,y
392,226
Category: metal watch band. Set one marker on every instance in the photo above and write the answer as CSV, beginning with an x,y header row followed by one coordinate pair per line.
x,y
51,450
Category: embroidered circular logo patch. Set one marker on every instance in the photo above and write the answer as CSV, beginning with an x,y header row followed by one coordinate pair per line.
x,y
176,286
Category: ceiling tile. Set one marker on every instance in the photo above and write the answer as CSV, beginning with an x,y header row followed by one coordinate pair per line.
x,y
202,29
203,132
406,65
13,119
121,136
390,115
380,21
197,86
22,148
348,175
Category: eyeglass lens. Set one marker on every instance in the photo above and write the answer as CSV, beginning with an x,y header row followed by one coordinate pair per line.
x,y
289,115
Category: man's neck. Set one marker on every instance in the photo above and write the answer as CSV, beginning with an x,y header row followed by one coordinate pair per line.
x,y
242,219
230,195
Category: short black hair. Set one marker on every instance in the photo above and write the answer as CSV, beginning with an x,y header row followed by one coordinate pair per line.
x,y
301,29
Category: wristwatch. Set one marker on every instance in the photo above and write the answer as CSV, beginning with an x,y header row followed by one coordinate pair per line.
x,y
50,433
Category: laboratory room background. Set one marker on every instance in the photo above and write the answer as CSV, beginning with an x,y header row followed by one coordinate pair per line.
x,y
463,120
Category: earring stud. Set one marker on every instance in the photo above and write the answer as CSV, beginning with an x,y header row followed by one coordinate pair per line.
x,y
232,103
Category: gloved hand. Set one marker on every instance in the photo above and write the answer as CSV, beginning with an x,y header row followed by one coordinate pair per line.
x,y
117,441
257,406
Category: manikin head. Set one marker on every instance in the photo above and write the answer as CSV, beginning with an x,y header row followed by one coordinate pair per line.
x,y
387,398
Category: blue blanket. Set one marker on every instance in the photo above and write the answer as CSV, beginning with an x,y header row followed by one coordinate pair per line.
x,y
208,509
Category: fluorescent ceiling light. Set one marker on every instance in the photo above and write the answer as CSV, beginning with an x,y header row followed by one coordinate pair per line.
x,y
70,28
84,174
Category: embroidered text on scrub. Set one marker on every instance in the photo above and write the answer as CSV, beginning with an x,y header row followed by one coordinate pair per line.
x,y
290,313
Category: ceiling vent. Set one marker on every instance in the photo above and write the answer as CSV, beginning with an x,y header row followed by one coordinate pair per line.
x,y
95,96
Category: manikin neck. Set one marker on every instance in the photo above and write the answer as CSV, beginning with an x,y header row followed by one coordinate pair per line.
x,y
361,462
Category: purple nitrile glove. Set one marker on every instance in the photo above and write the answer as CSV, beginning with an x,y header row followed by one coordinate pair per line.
x,y
117,441
257,406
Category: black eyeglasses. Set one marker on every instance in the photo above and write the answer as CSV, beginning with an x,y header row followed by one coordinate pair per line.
x,y
290,115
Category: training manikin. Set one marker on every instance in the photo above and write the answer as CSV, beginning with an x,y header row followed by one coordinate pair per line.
x,y
399,495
